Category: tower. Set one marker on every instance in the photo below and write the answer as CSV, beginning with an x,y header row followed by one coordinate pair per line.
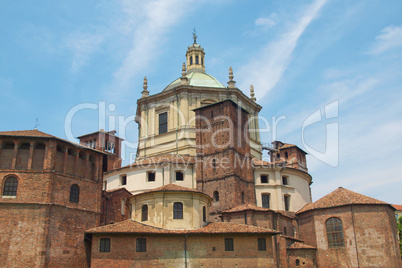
x,y
106,142
224,168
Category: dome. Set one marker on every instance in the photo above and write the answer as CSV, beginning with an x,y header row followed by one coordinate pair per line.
x,y
197,79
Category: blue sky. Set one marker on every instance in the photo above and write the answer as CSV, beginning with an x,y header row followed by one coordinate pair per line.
x,y
338,59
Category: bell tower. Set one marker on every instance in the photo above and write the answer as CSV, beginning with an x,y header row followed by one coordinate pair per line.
x,y
195,56
224,169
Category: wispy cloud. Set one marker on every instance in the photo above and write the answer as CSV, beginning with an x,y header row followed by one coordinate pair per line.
x,y
153,20
266,70
267,22
389,38
82,46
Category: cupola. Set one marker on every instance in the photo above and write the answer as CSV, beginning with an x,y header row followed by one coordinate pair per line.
x,y
195,57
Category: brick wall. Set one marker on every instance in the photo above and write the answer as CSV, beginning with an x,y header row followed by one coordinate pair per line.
x,y
40,226
168,251
223,155
112,206
369,236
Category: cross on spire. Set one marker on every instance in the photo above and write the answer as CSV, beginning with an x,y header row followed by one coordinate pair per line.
x,y
195,36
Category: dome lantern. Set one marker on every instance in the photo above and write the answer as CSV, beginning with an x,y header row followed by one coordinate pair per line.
x,y
195,57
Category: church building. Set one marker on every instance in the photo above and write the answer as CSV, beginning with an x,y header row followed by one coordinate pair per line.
x,y
199,193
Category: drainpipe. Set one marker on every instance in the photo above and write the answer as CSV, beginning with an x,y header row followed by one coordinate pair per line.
x,y
354,233
185,251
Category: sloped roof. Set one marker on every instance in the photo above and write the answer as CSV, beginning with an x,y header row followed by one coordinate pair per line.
x,y
341,197
26,133
300,245
289,145
171,187
246,207
39,134
397,207
133,227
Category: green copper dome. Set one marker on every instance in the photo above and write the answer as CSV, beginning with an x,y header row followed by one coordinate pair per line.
x,y
197,79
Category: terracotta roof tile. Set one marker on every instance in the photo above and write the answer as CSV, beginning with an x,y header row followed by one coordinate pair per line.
x,y
131,226
397,207
171,187
39,134
340,197
246,207
26,133
299,245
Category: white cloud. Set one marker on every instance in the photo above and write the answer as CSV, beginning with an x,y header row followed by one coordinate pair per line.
x,y
153,19
268,22
389,38
266,70
82,46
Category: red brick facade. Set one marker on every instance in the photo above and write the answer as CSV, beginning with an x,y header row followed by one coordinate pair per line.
x,y
369,231
115,206
223,155
40,225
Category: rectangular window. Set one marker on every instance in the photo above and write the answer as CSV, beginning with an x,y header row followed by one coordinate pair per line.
x,y
104,245
151,176
262,244
264,179
141,244
284,180
163,123
265,200
286,199
123,179
179,176
229,244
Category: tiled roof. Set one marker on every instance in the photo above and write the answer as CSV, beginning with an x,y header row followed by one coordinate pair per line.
x,y
288,145
397,207
131,226
299,245
258,162
340,197
118,189
26,133
171,187
246,207
39,134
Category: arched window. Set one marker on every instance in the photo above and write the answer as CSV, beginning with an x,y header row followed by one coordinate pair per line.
x,y
74,193
216,196
297,262
144,213
242,197
191,60
285,232
178,211
335,232
10,186
197,61
204,214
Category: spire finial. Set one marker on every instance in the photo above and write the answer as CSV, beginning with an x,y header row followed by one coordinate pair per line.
x,y
252,93
145,92
183,69
195,36
183,78
231,82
